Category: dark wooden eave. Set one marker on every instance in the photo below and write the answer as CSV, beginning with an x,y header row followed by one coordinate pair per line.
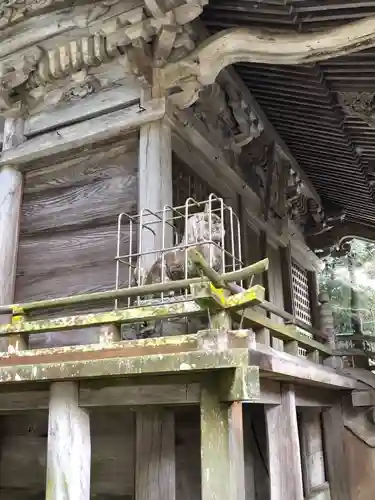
x,y
333,145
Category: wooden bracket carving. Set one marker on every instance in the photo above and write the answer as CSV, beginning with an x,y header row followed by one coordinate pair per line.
x,y
146,36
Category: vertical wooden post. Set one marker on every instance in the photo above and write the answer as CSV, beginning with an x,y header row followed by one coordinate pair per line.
x,y
313,294
313,456
10,213
336,461
286,277
155,476
283,448
155,188
155,453
222,449
69,446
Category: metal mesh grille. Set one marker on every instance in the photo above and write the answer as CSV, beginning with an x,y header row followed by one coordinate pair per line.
x,y
301,297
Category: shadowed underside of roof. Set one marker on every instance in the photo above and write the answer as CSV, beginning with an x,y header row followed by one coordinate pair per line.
x,y
323,112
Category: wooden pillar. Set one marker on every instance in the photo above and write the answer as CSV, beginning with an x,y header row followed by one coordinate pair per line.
x,y
69,447
155,188
284,455
336,461
222,448
155,449
313,468
155,475
10,212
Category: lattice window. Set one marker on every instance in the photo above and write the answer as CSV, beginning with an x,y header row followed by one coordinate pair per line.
x,y
301,296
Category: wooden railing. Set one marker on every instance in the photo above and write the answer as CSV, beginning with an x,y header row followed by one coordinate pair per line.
x,y
218,294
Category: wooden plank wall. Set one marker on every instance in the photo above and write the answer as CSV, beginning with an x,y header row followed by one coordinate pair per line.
x,y
69,228
24,446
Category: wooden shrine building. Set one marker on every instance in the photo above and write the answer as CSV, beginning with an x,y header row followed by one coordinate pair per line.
x,y
169,169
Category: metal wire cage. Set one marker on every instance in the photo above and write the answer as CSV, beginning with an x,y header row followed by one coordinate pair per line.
x,y
210,224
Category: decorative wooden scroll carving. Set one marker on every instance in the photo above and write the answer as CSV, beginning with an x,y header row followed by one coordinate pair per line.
x,y
139,36
227,116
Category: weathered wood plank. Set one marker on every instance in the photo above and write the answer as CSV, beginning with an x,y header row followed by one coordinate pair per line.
x,y
10,212
74,207
81,134
106,101
100,162
155,455
312,453
284,449
336,460
45,255
96,277
69,445
288,367
112,456
167,394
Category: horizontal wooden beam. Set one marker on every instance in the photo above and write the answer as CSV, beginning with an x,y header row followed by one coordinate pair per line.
x,y
106,101
135,395
306,396
55,370
283,366
82,134
208,350
154,390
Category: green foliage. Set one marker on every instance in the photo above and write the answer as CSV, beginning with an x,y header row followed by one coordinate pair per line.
x,y
349,281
